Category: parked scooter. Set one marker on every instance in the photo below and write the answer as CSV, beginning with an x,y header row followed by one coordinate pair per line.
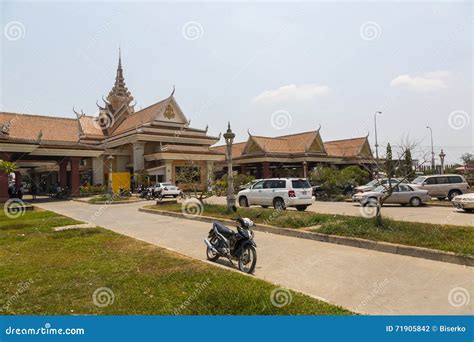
x,y
240,246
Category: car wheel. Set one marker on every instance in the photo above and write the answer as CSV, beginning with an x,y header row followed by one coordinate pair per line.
x,y
454,193
371,202
301,207
415,202
278,203
243,202
469,210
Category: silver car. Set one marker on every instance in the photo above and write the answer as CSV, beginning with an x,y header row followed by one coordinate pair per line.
x,y
370,186
442,186
464,202
403,194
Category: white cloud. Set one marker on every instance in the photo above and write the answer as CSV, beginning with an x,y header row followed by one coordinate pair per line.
x,y
292,92
429,81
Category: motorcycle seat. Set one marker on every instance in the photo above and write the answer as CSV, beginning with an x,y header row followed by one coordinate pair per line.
x,y
223,229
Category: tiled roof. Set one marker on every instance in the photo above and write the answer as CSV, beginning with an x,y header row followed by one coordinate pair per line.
x,y
188,149
346,147
28,127
89,127
142,116
237,149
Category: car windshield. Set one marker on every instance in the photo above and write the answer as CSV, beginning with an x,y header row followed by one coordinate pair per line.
x,y
380,189
372,183
419,180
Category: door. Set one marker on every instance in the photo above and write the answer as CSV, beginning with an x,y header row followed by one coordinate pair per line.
x,y
267,192
430,185
255,193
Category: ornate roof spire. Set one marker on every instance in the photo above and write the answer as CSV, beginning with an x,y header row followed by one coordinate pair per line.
x,y
119,93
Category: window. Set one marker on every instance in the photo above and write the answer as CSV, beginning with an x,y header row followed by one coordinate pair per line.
x,y
431,181
419,180
279,184
404,188
300,184
442,180
455,179
268,184
258,185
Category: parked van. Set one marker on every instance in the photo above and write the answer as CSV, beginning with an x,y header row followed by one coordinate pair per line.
x,y
279,193
442,186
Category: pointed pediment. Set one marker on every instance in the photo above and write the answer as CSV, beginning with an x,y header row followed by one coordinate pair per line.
x,y
171,112
316,145
252,147
365,150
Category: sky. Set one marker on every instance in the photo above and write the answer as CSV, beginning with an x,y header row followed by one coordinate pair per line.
x,y
271,68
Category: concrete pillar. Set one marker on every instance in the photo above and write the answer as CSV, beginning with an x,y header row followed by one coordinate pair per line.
x,y
210,174
266,170
17,179
243,169
305,169
75,176
98,171
138,156
169,171
63,173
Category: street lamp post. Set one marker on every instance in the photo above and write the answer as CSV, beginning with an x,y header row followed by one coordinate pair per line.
x,y
229,139
441,157
376,141
432,149
110,158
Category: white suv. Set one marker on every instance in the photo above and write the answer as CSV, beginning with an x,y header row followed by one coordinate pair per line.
x,y
279,193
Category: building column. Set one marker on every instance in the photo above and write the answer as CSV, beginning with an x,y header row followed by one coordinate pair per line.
x,y
210,174
63,173
138,156
17,180
305,169
243,169
168,171
4,179
266,169
98,171
75,176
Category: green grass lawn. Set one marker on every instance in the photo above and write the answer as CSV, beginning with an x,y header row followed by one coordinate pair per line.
x,y
458,239
56,273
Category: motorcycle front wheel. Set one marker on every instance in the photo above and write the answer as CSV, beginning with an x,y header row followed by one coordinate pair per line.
x,y
248,260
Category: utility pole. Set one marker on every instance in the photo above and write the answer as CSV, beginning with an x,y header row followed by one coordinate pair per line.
x,y
432,149
376,141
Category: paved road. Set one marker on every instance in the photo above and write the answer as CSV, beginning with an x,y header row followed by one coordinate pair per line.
x,y
361,280
425,214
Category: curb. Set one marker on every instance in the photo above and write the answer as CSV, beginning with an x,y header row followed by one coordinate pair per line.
x,y
379,246
105,202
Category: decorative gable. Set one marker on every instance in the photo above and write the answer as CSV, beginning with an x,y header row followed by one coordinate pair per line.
x,y
252,147
317,145
171,113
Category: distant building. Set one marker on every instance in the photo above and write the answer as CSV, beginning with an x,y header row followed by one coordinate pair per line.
x,y
295,155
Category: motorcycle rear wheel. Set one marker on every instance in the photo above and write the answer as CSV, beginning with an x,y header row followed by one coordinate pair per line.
x,y
248,260
211,256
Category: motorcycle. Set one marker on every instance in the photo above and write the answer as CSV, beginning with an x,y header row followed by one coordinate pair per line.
x,y
240,246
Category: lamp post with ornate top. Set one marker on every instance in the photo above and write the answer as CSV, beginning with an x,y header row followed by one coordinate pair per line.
x,y
229,139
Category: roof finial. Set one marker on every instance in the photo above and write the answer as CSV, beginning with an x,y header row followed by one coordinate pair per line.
x,y
318,128
120,56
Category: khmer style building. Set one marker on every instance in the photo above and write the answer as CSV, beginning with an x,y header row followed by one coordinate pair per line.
x,y
115,146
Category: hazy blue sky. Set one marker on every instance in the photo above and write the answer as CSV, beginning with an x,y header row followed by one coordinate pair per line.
x,y
273,68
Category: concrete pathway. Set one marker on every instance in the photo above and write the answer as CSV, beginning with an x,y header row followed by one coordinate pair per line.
x,y
361,280
425,214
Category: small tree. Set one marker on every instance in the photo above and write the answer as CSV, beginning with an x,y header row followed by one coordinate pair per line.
x,y
409,172
467,158
389,170
189,176
7,167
